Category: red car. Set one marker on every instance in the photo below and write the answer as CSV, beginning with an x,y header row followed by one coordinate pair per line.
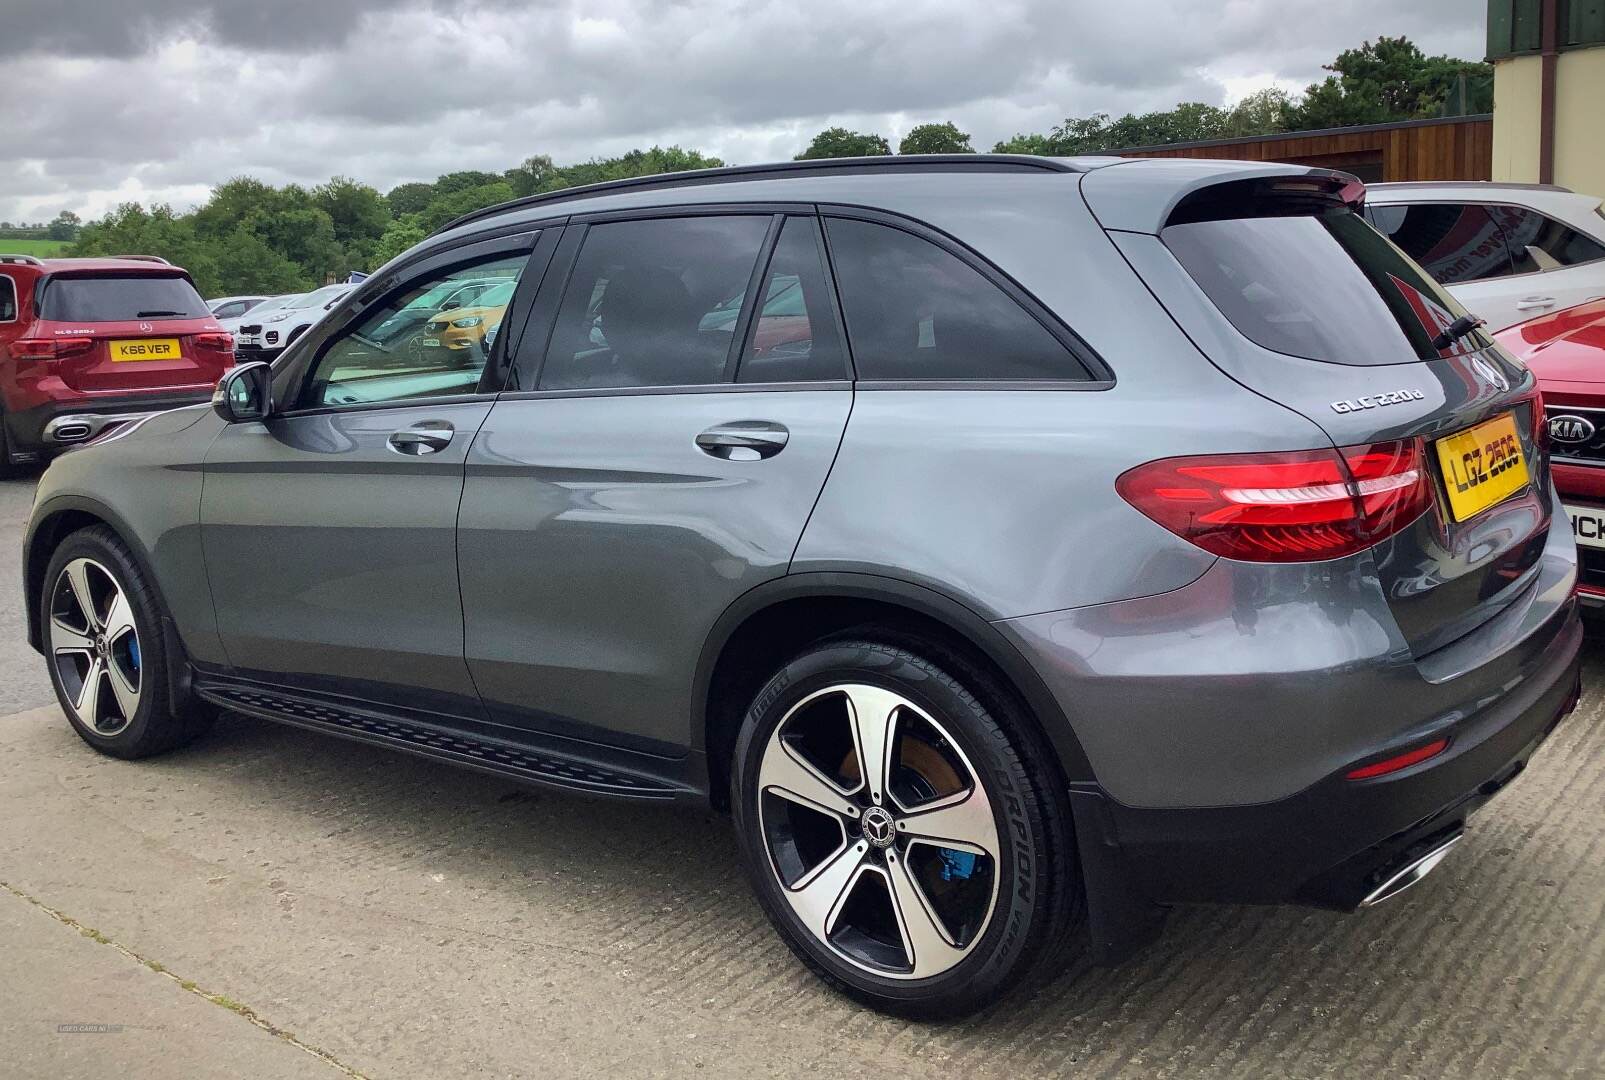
x,y
88,344
1566,351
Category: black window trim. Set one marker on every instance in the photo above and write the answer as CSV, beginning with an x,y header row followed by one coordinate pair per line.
x,y
462,251
1099,376
822,249
1485,206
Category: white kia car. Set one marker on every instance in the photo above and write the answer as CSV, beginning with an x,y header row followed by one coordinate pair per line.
x,y
265,338
1508,252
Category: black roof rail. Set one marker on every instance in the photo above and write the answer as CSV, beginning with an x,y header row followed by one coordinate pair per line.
x,y
21,260
774,170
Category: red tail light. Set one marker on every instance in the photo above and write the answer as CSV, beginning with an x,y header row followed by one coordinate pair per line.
x,y
223,342
1302,506
50,348
1540,421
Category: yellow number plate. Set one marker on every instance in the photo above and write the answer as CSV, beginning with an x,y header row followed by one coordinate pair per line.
x,y
1482,466
161,348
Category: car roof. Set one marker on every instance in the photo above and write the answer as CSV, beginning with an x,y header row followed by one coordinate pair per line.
x,y
148,264
908,184
1535,195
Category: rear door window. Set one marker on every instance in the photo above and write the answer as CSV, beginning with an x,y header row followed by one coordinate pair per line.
x,y
141,298
654,302
1542,243
1454,242
8,299
915,311
1324,286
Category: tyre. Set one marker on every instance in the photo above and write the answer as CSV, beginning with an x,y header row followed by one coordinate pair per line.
x,y
102,633
935,877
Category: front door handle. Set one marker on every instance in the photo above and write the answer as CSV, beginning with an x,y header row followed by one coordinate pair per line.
x,y
427,437
744,440
1530,303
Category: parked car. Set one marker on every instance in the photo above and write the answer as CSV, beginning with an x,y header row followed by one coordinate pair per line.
x,y
1508,252
1118,533
265,338
232,307
461,331
259,311
1566,351
87,344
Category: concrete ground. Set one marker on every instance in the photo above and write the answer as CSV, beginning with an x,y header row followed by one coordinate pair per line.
x,y
273,903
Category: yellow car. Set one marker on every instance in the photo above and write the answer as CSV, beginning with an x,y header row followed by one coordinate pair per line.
x,y
462,330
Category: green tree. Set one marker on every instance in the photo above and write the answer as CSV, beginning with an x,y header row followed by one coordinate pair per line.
x,y
443,208
132,230
1387,80
64,227
402,234
838,142
944,138
1264,112
1038,144
452,183
234,201
360,214
409,198
246,263
534,176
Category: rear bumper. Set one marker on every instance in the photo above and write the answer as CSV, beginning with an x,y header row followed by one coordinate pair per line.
x,y
1334,843
57,425
245,354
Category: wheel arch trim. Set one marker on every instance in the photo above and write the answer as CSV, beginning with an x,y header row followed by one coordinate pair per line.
x,y
956,616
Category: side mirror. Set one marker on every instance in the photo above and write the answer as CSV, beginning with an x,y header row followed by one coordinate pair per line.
x,y
245,393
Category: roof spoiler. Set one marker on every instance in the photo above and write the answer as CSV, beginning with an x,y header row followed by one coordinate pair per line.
x,y
1270,196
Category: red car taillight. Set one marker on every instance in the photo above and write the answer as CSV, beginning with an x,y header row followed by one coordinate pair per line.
x,y
1301,506
223,342
50,348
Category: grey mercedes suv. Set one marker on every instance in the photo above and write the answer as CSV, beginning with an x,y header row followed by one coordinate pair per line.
x,y
1014,546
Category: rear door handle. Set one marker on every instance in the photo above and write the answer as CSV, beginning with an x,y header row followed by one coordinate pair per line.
x,y
427,437
1528,303
744,440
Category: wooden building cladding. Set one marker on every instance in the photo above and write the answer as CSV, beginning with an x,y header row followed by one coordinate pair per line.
x,y
1454,148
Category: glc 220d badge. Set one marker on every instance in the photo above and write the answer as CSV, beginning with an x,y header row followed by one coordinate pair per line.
x,y
1377,401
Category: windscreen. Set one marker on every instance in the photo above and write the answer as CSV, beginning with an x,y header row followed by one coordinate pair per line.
x,y
136,297
1324,286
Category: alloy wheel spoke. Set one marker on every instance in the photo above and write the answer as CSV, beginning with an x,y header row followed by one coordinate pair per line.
x,y
873,713
817,899
68,639
119,617
88,703
965,823
126,693
78,582
786,776
924,938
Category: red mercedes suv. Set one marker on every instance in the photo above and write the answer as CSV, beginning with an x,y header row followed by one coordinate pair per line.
x,y
89,344
1566,350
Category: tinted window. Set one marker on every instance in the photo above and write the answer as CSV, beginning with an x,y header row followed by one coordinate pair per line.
x,y
121,299
231,310
413,346
1541,243
8,299
795,337
914,311
1452,242
653,303
1326,287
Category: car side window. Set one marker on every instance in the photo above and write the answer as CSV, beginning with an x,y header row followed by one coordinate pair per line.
x,y
1542,243
231,310
653,302
1453,242
916,311
417,343
8,299
795,337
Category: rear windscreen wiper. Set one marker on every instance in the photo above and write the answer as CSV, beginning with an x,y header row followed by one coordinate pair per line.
x,y
1457,330
154,314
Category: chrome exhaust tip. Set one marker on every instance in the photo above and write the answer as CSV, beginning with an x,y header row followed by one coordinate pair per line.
x,y
1410,873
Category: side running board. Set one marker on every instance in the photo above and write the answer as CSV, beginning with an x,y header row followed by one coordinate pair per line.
x,y
426,740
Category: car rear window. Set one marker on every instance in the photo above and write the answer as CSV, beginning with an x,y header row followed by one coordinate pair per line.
x,y
148,297
1323,286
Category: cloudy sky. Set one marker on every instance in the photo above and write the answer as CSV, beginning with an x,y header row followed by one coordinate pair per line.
x,y
157,100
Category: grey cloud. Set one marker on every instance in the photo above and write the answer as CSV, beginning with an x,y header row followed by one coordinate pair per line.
x,y
162,96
